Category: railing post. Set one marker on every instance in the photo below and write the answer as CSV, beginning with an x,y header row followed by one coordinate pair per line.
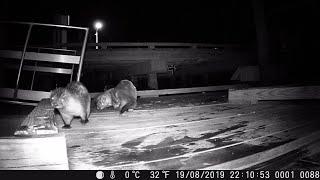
x,y
82,54
22,59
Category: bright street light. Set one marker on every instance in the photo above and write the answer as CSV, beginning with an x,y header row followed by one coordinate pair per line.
x,y
98,25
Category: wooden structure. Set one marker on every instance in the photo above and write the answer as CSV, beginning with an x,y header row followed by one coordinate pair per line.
x,y
45,152
152,61
38,57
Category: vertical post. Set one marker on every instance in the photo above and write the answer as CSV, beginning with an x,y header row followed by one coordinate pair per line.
x,y
22,59
262,36
65,20
96,38
71,75
82,53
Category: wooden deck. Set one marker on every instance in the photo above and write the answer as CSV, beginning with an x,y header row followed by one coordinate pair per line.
x,y
191,135
194,131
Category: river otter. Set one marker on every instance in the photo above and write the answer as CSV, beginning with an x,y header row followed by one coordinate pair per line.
x,y
122,97
72,101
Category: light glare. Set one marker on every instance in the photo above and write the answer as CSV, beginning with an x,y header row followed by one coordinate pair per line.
x,y
98,25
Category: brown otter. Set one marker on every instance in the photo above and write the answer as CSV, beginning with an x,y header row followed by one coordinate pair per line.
x,y
72,101
122,97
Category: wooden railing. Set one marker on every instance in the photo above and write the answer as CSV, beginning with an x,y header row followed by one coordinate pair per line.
x,y
39,56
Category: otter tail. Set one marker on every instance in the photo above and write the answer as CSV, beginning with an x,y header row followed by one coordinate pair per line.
x,y
130,104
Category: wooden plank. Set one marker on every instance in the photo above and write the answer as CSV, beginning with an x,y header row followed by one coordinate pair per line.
x,y
253,95
19,102
179,157
42,69
254,159
59,58
156,93
24,94
41,152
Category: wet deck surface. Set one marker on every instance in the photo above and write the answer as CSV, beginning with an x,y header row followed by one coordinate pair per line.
x,y
186,132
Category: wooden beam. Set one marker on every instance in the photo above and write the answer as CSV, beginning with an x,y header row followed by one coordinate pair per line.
x,y
273,93
59,58
42,69
41,152
145,54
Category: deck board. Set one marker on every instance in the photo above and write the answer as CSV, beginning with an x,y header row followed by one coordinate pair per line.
x,y
41,152
189,137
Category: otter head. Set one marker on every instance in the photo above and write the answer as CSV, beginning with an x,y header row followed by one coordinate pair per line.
x,y
104,100
58,98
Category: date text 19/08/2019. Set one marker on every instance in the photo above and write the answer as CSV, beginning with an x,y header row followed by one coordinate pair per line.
x,y
209,174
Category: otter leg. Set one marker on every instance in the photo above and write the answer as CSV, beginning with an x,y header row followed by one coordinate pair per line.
x,y
84,118
67,120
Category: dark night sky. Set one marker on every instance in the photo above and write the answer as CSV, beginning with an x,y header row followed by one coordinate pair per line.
x,y
212,21
182,21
